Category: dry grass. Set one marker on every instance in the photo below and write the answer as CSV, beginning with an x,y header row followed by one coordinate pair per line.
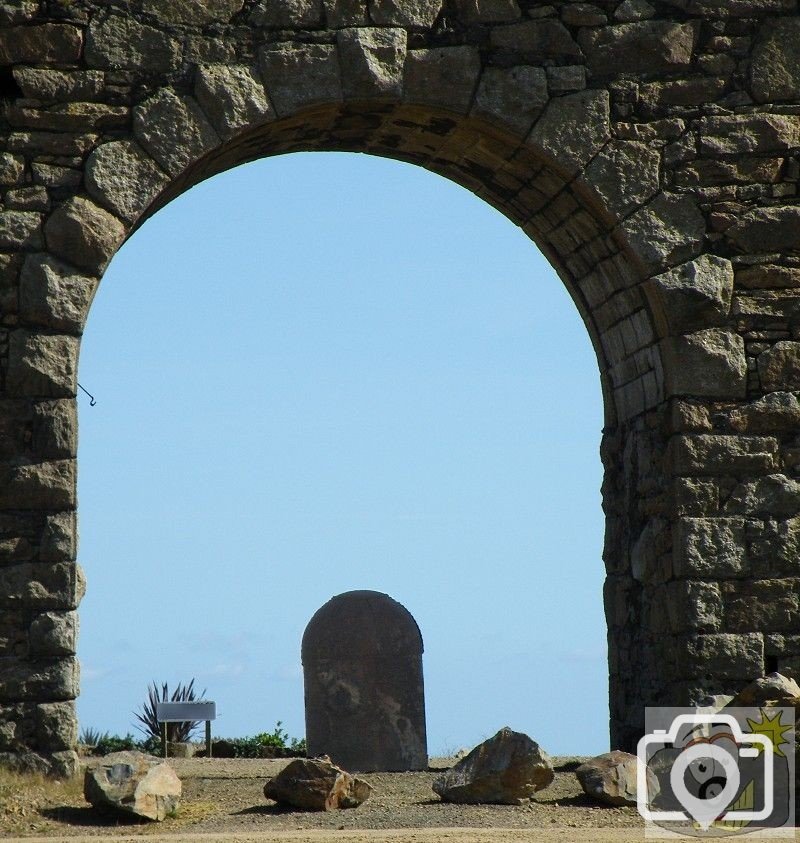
x,y
23,796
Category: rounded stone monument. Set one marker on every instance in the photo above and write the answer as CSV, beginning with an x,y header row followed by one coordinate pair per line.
x,y
364,693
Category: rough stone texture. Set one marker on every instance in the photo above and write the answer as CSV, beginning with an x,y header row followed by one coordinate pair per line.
x,y
611,778
364,696
507,769
133,784
649,148
314,784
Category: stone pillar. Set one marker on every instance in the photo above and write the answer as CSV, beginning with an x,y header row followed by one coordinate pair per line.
x,y
364,696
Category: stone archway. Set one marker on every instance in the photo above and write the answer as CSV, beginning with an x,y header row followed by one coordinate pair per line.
x,y
649,149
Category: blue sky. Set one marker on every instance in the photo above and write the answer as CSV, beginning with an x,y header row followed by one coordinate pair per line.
x,y
325,372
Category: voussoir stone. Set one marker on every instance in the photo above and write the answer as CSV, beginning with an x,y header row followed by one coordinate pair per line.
x,y
512,95
317,785
445,76
112,171
134,784
174,130
611,778
573,129
44,365
694,294
54,294
625,174
507,769
372,61
83,234
298,75
779,366
232,97
121,42
415,13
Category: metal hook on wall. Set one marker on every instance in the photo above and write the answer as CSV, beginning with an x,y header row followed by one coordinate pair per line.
x,y
92,400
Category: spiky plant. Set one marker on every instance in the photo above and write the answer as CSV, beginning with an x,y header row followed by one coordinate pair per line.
x,y
179,732
91,737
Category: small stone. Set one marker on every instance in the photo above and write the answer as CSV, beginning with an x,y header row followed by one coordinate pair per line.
x,y
694,294
513,95
708,547
133,783
633,10
562,80
722,655
33,198
12,168
625,174
611,778
773,496
285,14
52,176
445,76
298,75
122,177
372,61
54,634
573,129
775,689
18,11
749,133
507,769
775,64
715,454
644,47
54,295
778,412
775,229
342,13
42,365
20,229
314,784
232,98
537,41
583,14
779,366
46,84
121,42
174,130
83,234
413,13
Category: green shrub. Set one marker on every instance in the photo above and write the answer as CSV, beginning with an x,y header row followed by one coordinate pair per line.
x,y
92,737
180,732
114,743
252,746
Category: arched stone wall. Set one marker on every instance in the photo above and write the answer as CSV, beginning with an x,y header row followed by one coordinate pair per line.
x,y
649,148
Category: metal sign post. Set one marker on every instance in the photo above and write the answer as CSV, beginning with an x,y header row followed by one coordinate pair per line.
x,y
178,712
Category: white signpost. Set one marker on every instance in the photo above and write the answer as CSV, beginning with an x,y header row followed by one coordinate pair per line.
x,y
177,712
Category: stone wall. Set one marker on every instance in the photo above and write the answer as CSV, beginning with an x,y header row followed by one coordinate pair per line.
x,y
648,147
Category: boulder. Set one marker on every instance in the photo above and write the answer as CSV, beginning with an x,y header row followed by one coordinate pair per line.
x,y
775,688
314,784
506,769
133,783
611,778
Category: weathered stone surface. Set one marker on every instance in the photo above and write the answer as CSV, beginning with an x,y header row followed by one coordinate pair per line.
x,y
174,130
702,453
47,84
83,234
134,784
120,42
506,769
773,496
512,95
668,230
54,634
59,542
774,413
708,363
50,43
283,14
775,688
298,75
56,725
767,229
52,679
20,229
54,294
110,171
192,12
314,784
232,97
724,655
694,605
625,175
573,129
444,77
645,47
768,276
54,432
536,41
371,61
611,778
709,547
693,295
339,13
744,133
364,693
12,168
18,11
753,605
775,64
488,11
42,365
40,586
734,8
779,366
404,12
